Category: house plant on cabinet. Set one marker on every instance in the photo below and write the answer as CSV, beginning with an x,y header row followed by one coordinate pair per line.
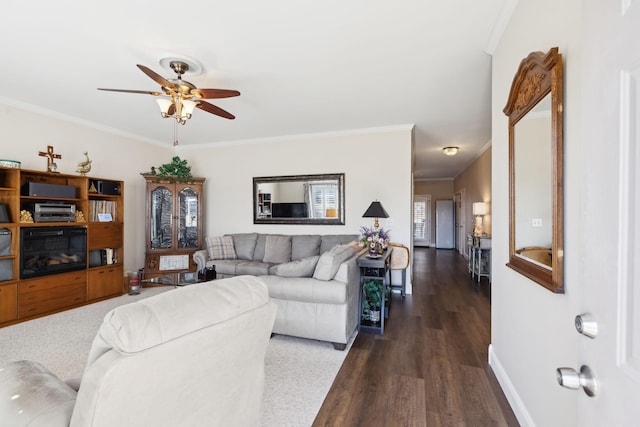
x,y
372,300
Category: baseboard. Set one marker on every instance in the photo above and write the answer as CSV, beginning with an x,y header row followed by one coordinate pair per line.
x,y
517,405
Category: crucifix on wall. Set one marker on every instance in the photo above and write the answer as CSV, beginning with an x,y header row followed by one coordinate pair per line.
x,y
51,165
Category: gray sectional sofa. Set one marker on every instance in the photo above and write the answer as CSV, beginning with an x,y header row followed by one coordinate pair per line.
x,y
312,279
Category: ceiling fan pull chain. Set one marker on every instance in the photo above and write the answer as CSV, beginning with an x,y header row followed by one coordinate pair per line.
x,y
175,133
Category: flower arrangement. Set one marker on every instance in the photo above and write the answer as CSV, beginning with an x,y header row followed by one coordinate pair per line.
x,y
374,239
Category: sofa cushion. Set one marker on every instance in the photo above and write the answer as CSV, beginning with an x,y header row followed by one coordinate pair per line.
x,y
331,240
245,244
277,249
330,261
258,253
306,289
303,267
225,266
146,323
253,268
304,245
220,247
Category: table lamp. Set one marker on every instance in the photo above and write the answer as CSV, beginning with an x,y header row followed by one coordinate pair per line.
x,y
376,211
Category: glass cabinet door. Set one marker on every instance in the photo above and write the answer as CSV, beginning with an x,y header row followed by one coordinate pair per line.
x,y
188,218
161,218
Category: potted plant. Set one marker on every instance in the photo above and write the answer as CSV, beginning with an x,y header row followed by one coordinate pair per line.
x,y
178,170
372,301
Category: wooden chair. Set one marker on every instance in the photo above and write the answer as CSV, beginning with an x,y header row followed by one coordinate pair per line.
x,y
399,261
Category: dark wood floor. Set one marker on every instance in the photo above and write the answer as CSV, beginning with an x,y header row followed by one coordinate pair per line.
x,y
430,366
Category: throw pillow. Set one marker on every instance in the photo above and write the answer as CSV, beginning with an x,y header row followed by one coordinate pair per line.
x,y
304,245
303,267
220,247
245,244
330,261
277,249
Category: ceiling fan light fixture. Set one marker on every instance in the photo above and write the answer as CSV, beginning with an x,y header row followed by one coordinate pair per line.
x,y
187,108
450,151
176,97
164,105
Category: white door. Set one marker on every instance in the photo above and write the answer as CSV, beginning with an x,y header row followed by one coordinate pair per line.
x,y
610,209
445,224
422,220
461,233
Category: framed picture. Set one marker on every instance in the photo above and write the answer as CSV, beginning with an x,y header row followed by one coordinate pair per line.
x,y
104,217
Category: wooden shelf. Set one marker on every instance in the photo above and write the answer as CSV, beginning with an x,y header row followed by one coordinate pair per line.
x,y
23,299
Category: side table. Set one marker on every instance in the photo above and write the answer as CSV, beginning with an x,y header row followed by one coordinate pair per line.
x,y
375,277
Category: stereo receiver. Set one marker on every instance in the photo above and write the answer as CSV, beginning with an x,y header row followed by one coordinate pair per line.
x,y
53,212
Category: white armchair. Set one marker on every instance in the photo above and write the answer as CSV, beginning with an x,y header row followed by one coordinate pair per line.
x,y
193,356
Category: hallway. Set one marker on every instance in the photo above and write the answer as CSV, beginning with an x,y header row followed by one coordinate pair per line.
x,y
430,367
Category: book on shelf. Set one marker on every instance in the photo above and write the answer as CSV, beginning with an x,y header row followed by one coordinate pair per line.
x,y
99,207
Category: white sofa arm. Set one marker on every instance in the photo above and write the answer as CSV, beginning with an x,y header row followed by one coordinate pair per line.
x,y
200,258
30,395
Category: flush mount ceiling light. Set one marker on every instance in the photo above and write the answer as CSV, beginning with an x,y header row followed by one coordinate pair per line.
x,y
450,151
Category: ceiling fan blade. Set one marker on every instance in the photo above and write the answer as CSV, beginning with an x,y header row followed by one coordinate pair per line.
x,y
147,92
155,76
214,93
210,108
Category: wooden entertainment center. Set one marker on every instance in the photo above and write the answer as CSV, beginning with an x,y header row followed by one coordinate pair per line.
x,y
26,293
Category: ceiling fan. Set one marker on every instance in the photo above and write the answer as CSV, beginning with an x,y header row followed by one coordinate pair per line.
x,y
184,96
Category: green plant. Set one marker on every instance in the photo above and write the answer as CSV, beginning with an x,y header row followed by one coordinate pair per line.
x,y
176,170
373,296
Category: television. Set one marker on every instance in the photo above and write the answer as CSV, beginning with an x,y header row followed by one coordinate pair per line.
x,y
289,210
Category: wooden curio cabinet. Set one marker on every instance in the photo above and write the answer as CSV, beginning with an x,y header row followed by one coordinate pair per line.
x,y
174,228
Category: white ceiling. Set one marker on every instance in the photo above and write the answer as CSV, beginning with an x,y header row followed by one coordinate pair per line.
x,y
303,67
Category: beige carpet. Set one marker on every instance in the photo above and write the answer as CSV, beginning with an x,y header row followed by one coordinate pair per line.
x,y
299,372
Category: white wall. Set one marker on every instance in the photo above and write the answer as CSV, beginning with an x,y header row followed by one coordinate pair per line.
x,y
532,328
377,165
25,133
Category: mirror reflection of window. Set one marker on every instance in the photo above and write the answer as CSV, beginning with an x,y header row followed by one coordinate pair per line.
x,y
299,199
323,199
192,212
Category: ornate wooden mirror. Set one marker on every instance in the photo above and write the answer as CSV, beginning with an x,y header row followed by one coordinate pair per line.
x,y
536,222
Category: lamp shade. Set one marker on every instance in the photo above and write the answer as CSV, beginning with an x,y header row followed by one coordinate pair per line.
x,y
164,105
375,210
187,108
479,208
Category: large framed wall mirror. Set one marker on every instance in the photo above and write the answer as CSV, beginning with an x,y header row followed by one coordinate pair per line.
x,y
536,219
299,199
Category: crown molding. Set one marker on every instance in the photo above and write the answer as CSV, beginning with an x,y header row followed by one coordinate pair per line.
x,y
74,120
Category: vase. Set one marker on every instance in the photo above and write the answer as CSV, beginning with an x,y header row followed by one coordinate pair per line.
x,y
374,316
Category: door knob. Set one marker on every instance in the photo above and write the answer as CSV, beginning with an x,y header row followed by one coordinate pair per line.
x,y
570,378
586,325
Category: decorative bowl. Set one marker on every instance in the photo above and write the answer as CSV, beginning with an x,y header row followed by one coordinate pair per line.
x,y
9,164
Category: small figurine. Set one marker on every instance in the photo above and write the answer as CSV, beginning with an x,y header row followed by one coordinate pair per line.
x,y
84,167
80,216
25,216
